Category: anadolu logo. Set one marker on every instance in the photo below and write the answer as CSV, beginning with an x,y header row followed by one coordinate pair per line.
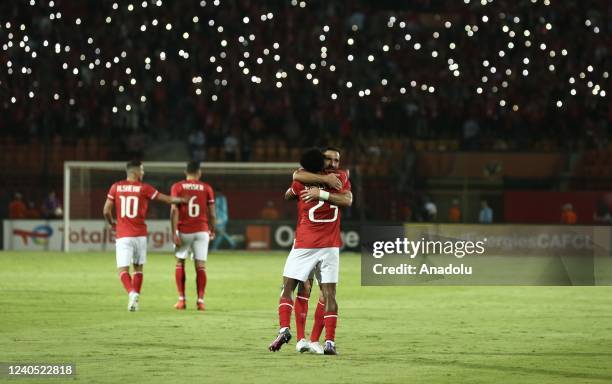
x,y
39,235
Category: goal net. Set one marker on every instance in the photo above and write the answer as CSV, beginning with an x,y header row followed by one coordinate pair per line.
x,y
254,194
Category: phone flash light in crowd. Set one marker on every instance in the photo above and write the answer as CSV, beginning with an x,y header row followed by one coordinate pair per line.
x,y
122,18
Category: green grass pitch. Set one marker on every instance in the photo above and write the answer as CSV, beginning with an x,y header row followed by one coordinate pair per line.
x,y
71,308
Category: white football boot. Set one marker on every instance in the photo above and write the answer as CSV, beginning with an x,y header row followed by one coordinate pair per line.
x,y
315,347
302,346
133,302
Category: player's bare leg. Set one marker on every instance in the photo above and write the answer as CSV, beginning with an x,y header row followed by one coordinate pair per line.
x,y
200,267
179,277
301,311
330,317
285,307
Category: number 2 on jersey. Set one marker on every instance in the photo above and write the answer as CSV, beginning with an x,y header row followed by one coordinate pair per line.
x,y
311,213
129,206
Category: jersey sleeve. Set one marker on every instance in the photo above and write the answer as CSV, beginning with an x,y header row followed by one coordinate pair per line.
x,y
296,187
149,192
346,183
210,195
111,192
175,190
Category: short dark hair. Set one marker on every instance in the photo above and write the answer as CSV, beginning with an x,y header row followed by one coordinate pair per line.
x,y
312,160
133,164
330,149
193,167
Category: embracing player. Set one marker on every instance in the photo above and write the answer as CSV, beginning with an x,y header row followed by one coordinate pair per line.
x,y
130,197
331,177
317,245
193,225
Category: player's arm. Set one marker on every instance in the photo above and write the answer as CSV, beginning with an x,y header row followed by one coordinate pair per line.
x,y
107,212
170,199
306,177
174,218
212,219
344,199
289,195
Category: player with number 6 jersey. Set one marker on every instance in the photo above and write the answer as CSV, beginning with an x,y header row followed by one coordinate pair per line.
x,y
193,225
130,198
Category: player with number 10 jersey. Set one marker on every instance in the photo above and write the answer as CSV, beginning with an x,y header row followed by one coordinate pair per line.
x,y
129,199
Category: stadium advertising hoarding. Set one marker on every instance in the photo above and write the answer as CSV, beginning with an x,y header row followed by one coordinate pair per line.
x,y
446,254
92,235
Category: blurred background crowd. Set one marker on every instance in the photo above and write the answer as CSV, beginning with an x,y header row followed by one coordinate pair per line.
x,y
413,102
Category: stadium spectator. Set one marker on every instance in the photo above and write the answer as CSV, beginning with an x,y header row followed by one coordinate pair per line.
x,y
568,215
486,213
32,212
230,146
454,213
602,212
51,207
430,210
269,212
17,208
196,142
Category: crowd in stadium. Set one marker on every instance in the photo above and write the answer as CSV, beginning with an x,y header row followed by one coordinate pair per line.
x,y
300,113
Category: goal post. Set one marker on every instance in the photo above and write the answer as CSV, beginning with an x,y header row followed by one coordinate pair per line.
x,y
86,184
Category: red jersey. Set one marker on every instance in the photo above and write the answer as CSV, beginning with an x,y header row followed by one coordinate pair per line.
x,y
193,215
318,224
131,200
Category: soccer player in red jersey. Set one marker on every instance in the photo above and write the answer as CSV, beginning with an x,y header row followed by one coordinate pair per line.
x,y
130,198
317,244
330,177
193,225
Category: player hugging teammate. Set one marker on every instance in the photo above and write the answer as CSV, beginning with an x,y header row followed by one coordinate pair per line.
x,y
321,188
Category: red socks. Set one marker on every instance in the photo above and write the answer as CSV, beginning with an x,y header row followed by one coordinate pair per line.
x,y
137,281
285,307
200,282
331,318
319,322
126,280
301,310
179,276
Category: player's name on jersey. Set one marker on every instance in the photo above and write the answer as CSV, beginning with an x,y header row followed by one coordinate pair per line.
x,y
129,188
193,187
